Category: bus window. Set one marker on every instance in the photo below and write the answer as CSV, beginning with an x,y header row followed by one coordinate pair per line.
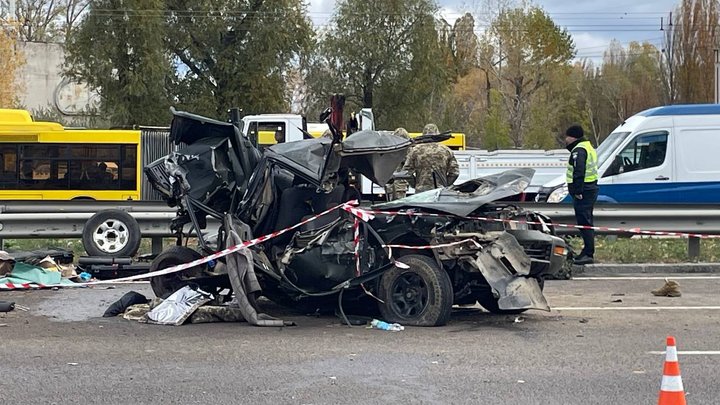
x,y
8,165
128,170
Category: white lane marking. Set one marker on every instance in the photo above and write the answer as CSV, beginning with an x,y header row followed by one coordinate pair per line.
x,y
630,308
648,278
692,352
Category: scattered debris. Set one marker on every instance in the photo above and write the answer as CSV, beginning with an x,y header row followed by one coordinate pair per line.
x,y
617,300
617,295
73,364
584,320
521,381
653,303
6,306
178,306
519,319
378,324
670,289
579,335
639,371
2,324
435,362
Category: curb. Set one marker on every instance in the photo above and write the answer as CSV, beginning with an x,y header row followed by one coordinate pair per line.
x,y
646,268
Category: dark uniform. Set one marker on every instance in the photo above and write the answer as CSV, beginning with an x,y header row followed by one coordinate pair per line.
x,y
582,177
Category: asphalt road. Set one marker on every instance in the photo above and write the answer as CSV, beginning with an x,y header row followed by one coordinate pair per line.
x,y
588,350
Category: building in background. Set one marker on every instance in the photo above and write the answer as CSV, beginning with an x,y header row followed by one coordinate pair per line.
x,y
46,94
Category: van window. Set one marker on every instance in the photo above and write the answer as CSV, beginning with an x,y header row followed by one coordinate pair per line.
x,y
644,152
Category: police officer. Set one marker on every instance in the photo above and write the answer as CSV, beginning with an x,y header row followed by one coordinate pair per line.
x,y
581,177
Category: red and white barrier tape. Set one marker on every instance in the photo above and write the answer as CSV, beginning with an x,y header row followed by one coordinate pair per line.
x,y
23,286
361,211
361,214
202,260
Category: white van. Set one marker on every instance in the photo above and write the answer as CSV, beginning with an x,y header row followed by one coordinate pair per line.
x,y
667,154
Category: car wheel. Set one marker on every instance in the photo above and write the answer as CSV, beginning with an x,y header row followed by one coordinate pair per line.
x,y
488,301
420,295
167,284
111,233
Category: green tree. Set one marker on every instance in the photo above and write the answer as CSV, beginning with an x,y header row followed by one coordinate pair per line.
x,y
525,47
118,51
496,128
383,54
236,53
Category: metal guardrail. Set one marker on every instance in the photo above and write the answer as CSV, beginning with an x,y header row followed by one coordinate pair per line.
x,y
24,219
66,219
31,219
689,218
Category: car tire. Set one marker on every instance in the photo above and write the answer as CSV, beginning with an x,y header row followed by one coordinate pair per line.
x,y
488,301
421,295
111,233
167,284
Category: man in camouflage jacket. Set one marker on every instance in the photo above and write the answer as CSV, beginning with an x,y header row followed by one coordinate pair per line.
x,y
432,164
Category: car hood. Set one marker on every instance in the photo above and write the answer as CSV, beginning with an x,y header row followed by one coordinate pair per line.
x,y
374,154
462,199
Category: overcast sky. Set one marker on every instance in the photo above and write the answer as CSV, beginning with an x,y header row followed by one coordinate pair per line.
x,y
592,23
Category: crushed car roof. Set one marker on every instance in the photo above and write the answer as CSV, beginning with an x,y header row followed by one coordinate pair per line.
x,y
462,199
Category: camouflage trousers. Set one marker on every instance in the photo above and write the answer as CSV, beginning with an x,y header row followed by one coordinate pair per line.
x,y
396,190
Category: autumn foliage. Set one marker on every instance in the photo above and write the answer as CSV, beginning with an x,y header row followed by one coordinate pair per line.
x,y
10,62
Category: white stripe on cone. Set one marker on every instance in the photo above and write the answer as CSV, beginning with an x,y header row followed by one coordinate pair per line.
x,y
671,354
671,383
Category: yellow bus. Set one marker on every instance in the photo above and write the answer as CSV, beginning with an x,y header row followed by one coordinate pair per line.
x,y
45,161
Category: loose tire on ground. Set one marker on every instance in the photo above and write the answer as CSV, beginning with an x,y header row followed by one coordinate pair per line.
x,y
489,302
165,285
111,233
421,295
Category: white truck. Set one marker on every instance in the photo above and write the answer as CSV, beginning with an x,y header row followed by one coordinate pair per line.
x,y
548,164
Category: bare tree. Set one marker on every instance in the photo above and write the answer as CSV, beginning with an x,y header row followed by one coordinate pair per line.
x,y
48,20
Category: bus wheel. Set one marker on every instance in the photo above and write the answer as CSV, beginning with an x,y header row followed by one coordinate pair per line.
x,y
111,233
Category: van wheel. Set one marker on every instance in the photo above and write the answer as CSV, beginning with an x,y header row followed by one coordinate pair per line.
x,y
167,284
112,233
421,295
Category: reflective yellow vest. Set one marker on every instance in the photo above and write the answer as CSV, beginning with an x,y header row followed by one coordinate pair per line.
x,y
591,170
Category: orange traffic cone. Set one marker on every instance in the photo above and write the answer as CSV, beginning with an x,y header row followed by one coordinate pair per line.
x,y
671,389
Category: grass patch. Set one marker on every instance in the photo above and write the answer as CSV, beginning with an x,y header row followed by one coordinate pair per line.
x,y
74,245
648,250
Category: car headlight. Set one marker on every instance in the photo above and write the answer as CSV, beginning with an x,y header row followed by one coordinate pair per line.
x,y
558,194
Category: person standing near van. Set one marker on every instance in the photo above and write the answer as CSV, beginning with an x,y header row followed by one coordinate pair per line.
x,y
582,177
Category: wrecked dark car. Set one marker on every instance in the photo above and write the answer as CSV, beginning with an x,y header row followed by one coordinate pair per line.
x,y
411,259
